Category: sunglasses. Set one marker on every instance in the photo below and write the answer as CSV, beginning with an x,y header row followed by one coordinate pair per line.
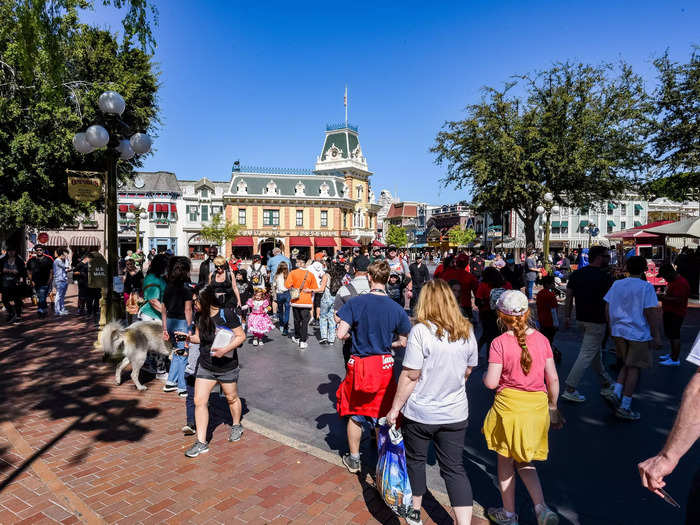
x,y
221,267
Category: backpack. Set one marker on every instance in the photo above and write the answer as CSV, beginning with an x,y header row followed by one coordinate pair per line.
x,y
256,278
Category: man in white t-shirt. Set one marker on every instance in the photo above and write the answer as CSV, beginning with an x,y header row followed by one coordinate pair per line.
x,y
632,311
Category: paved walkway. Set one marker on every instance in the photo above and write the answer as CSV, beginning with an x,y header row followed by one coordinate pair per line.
x,y
75,448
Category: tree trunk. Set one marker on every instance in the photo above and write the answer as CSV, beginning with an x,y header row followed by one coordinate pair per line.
x,y
529,232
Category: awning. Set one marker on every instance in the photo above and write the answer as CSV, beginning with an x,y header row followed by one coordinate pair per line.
x,y
564,224
173,208
85,240
638,207
150,206
637,224
378,244
324,242
582,225
300,241
347,242
611,224
611,205
123,208
56,240
243,240
554,224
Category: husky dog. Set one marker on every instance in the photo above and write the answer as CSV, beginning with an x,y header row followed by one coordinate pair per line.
x,y
133,343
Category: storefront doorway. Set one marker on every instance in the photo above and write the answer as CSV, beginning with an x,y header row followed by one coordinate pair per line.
x,y
266,246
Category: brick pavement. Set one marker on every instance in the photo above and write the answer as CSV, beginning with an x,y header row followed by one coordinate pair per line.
x,y
75,448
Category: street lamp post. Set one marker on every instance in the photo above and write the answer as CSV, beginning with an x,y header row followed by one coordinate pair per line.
x,y
137,216
547,207
119,146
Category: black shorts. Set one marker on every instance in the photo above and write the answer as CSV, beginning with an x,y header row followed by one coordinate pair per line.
x,y
317,300
672,325
230,376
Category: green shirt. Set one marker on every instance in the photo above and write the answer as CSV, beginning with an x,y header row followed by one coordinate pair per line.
x,y
153,288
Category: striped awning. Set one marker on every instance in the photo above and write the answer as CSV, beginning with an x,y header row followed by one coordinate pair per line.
x,y
85,240
57,240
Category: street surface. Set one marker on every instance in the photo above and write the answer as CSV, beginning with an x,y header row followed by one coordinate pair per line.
x,y
76,448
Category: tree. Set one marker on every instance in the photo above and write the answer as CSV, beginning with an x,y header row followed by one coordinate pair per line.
x,y
461,237
578,133
396,236
675,129
43,106
220,230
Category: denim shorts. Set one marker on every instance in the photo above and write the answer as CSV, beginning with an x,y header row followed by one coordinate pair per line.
x,y
366,420
230,376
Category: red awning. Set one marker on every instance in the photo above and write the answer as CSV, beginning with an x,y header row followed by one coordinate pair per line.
x,y
162,207
324,242
378,244
300,241
123,208
347,242
244,240
173,208
132,207
150,206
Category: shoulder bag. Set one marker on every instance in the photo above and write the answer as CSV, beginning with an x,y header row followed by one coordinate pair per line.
x,y
294,293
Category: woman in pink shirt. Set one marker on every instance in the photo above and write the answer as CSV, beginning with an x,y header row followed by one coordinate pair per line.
x,y
522,369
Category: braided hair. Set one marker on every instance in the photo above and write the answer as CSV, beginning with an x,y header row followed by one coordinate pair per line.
x,y
519,325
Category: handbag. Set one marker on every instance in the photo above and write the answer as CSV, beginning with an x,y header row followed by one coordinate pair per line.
x,y
132,303
294,293
393,484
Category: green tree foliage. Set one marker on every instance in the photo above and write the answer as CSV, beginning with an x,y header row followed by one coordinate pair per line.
x,y
42,108
396,236
461,237
576,133
675,134
220,230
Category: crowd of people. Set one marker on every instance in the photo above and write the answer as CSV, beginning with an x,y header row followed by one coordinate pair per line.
x,y
385,307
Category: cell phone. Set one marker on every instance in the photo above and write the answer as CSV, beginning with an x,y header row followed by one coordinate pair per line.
x,y
180,337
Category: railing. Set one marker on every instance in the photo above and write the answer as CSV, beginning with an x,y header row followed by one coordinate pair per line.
x,y
342,125
273,171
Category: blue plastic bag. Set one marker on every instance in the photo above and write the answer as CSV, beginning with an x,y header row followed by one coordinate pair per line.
x,y
392,475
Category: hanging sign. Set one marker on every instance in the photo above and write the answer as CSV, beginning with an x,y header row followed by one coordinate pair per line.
x,y
43,237
85,186
97,271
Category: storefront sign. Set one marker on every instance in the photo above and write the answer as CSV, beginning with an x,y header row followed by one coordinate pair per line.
x,y
277,234
43,237
97,271
84,186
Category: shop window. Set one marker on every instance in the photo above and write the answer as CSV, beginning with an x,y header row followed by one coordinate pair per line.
x,y
241,216
300,218
271,217
324,219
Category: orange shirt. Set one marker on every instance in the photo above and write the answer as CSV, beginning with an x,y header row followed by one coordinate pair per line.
x,y
295,280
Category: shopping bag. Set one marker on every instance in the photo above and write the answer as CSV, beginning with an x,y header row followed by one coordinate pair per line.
x,y
392,475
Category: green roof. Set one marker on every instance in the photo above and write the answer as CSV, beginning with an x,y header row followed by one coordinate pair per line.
x,y
286,185
340,140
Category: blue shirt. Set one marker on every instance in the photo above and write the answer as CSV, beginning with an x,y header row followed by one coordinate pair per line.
x,y
273,263
374,321
59,271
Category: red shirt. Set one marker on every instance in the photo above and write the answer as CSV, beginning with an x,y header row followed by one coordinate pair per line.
x,y
678,288
546,300
467,282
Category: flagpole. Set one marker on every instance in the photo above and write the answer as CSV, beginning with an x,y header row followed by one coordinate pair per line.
x,y
345,101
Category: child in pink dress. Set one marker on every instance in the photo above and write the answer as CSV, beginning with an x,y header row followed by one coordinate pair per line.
x,y
259,322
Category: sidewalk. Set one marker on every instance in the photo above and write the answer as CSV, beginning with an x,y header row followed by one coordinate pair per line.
x,y
76,448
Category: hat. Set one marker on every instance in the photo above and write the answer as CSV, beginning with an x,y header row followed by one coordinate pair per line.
x,y
512,302
256,257
361,263
295,252
665,269
391,247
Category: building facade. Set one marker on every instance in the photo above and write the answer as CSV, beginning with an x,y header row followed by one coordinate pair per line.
x,y
411,216
199,203
86,234
328,208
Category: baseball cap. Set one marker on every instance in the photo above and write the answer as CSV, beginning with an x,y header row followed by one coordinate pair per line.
x,y
361,263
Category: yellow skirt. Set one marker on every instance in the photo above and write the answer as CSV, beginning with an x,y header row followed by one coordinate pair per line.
x,y
517,426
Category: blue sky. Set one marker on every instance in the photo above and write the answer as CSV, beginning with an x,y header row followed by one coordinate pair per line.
x,y
259,84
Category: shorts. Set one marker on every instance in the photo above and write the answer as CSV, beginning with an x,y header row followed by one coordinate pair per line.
x,y
368,420
634,353
317,300
672,325
230,376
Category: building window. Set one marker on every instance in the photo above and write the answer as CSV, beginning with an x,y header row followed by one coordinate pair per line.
x,y
359,193
623,209
216,210
204,192
241,216
584,211
564,228
300,218
205,213
271,217
192,212
637,210
623,224
345,219
324,219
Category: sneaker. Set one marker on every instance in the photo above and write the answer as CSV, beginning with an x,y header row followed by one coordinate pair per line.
x,y
670,362
189,429
183,393
169,388
574,396
197,449
500,517
353,465
303,345
285,332
547,517
236,432
260,342
664,357
626,413
413,517
255,342
323,342
610,396
295,340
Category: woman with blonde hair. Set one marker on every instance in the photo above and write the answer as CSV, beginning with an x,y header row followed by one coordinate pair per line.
x,y
522,369
223,285
432,398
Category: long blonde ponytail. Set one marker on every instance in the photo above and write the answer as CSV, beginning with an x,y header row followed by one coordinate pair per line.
x,y
519,325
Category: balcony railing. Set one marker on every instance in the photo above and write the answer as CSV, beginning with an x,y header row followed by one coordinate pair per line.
x,y
341,125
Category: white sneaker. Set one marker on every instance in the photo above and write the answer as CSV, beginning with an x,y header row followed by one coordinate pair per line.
x,y
255,342
303,345
260,342
670,362
574,397
295,340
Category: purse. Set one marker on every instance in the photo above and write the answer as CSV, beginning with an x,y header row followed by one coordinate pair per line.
x,y
294,293
132,303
